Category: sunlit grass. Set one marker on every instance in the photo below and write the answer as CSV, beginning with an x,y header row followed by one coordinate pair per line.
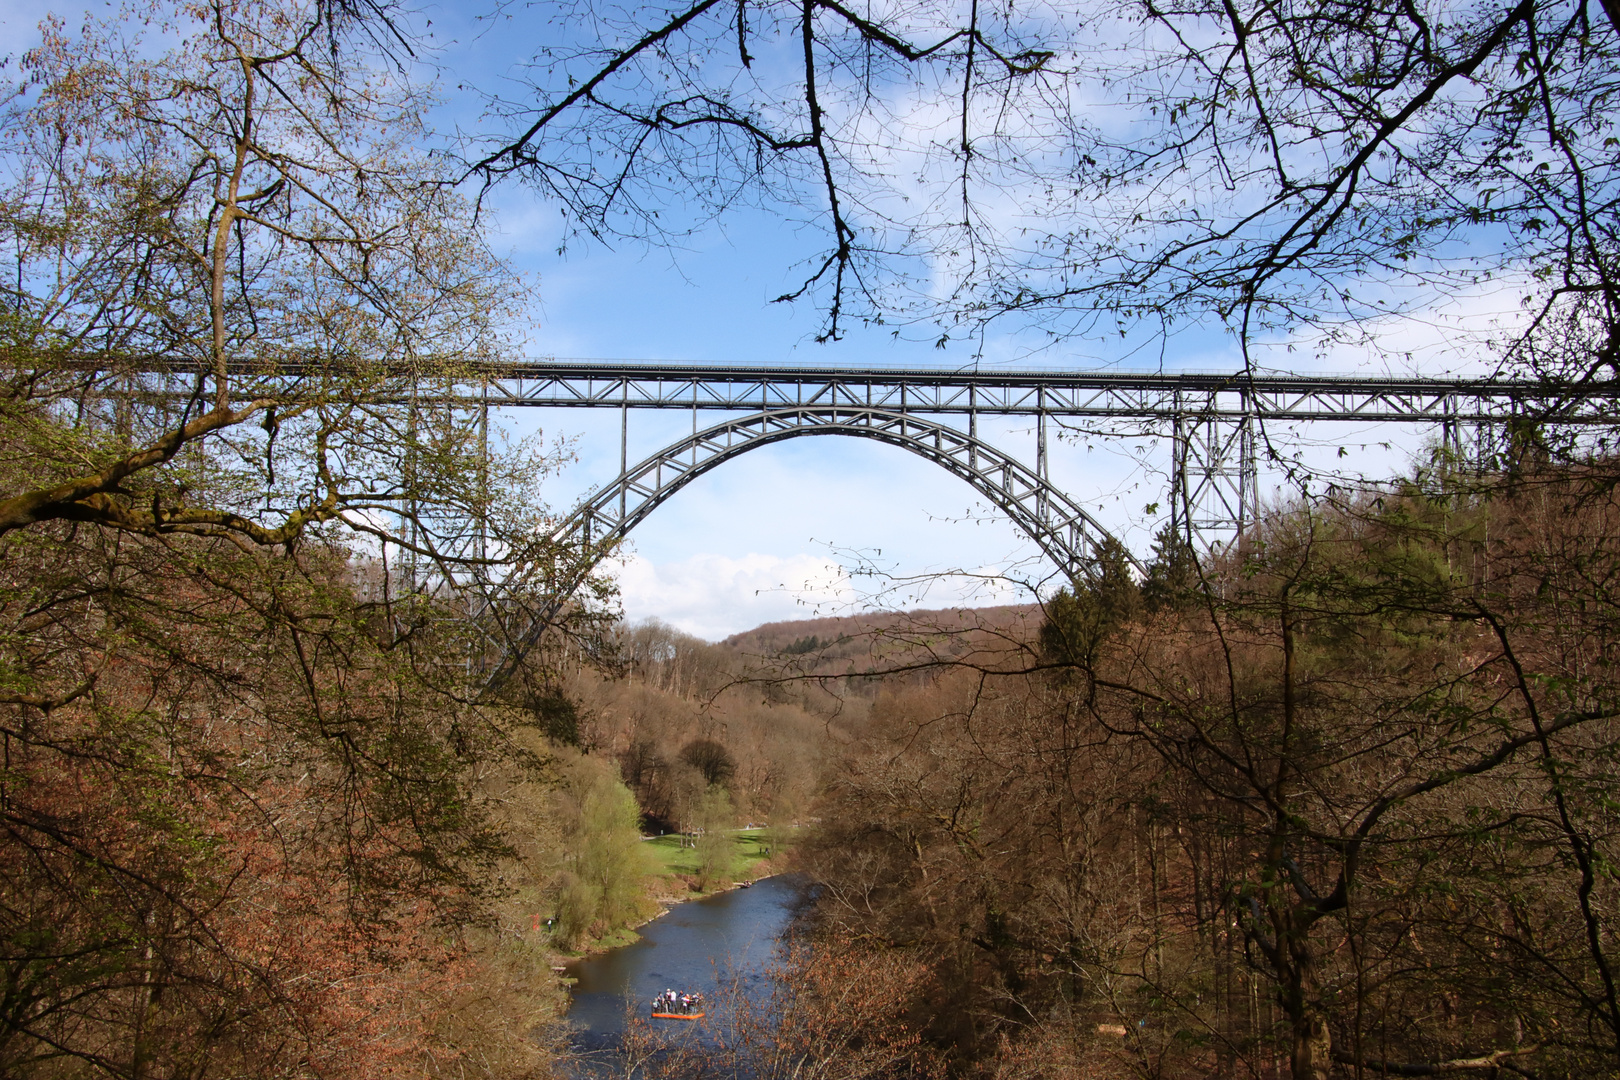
x,y
750,848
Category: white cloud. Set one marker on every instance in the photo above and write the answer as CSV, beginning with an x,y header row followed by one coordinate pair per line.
x,y
712,595
1460,331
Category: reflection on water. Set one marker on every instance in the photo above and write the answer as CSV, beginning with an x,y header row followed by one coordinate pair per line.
x,y
733,935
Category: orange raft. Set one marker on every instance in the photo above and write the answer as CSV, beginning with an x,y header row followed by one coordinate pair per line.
x,y
672,1006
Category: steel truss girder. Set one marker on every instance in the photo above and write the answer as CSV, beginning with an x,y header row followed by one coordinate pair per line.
x,y
1215,419
1063,394
1117,395
1062,529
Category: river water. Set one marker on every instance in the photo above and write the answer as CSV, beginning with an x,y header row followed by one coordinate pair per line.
x,y
732,935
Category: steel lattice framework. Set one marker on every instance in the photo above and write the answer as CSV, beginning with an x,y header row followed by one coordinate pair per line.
x,y
1094,394
611,384
1213,421
1051,518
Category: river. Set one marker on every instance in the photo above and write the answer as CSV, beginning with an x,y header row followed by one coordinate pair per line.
x,y
733,935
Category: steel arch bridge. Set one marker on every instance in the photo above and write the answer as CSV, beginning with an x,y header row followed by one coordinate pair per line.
x,y
1213,422
1215,425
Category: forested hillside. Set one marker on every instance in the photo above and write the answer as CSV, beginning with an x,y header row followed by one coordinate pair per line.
x,y
758,712
1336,802
254,818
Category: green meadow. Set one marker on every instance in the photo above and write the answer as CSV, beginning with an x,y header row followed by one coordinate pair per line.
x,y
749,848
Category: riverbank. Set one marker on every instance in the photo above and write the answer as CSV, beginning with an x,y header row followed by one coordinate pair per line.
x,y
757,855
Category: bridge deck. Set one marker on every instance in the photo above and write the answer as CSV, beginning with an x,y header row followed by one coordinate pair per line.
x,y
605,384
1100,394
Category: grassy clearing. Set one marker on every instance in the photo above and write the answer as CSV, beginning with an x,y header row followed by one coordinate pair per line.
x,y
749,849
616,939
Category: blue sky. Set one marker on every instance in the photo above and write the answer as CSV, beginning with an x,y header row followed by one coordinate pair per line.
x,y
735,548
774,534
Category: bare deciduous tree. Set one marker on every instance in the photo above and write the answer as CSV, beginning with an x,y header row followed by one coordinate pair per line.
x,y
1271,165
255,211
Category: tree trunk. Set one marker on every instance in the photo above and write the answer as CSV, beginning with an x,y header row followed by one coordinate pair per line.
x,y
1312,1056
1310,1042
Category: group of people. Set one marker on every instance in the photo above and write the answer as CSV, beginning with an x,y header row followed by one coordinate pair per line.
x,y
671,1002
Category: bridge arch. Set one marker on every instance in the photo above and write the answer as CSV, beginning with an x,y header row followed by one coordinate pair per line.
x,y
1060,526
